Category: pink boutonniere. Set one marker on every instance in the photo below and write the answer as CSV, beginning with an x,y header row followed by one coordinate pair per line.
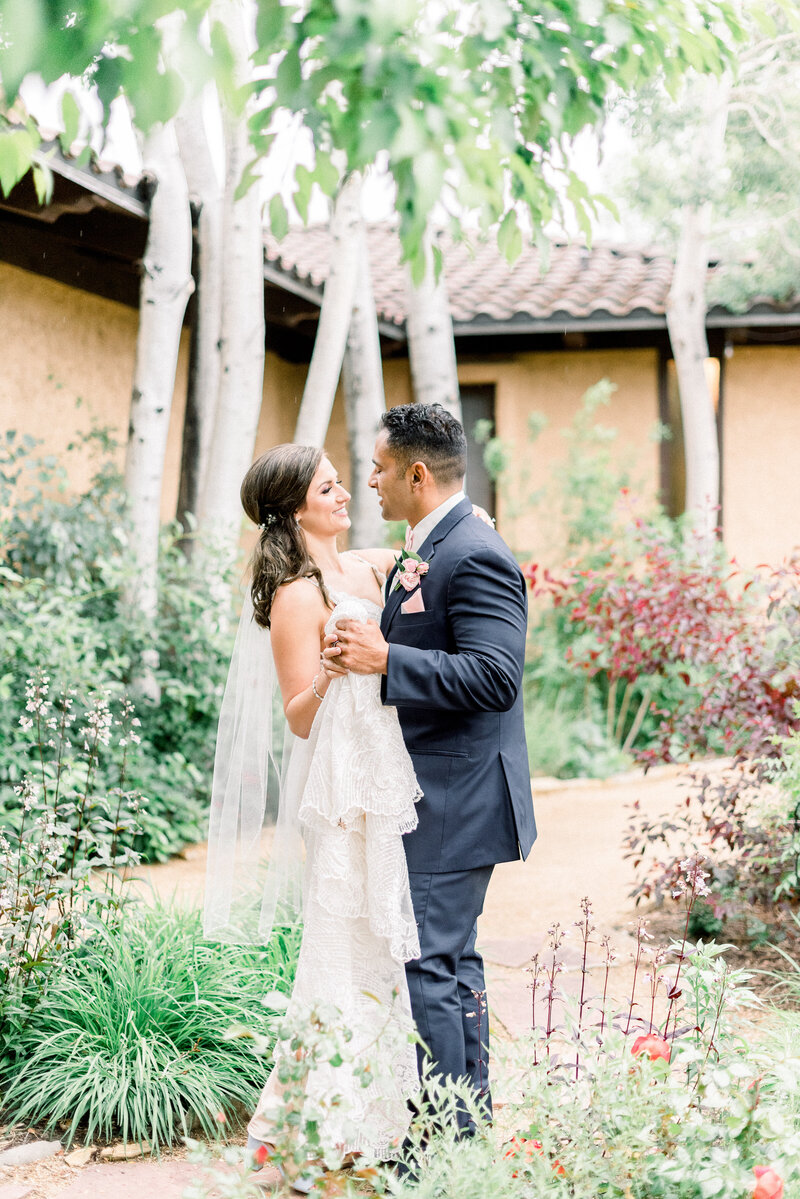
x,y
410,569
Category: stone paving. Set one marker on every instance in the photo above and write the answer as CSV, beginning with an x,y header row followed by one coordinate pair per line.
x,y
577,854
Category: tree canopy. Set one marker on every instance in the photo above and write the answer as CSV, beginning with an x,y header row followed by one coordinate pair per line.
x,y
471,104
754,232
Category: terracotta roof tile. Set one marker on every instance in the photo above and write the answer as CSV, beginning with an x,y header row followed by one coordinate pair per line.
x,y
484,288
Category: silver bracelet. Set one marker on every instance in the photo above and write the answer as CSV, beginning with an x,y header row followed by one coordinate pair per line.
x,y
314,688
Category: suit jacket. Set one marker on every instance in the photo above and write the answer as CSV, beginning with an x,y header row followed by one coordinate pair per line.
x,y
455,676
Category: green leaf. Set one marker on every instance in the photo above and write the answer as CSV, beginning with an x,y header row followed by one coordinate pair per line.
x,y
224,63
509,237
158,101
71,116
304,180
43,182
23,31
411,137
270,20
278,217
325,174
288,77
107,79
438,262
250,175
16,155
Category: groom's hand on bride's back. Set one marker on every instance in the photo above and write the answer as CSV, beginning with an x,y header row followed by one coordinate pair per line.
x,y
357,647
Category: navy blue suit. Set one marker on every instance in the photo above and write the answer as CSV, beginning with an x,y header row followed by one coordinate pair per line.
x,y
455,676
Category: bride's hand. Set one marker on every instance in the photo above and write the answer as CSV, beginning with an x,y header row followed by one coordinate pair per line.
x,y
483,515
328,659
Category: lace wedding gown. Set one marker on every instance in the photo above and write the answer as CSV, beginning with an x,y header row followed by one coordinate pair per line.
x,y
358,922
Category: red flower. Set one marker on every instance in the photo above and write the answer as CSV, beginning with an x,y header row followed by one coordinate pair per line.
x,y
522,1147
261,1154
530,571
653,1046
769,1185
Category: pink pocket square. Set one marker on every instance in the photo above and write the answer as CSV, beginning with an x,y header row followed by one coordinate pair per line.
x,y
414,603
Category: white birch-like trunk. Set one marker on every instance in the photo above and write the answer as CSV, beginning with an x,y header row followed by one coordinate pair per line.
x,y
431,344
166,287
205,193
362,377
242,325
686,321
334,318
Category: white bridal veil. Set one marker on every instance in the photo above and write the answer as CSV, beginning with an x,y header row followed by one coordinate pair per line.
x,y
254,870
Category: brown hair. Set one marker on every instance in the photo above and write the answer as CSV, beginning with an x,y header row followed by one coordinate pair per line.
x,y
273,489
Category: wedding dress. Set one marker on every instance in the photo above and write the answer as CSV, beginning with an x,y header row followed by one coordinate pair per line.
x,y
357,800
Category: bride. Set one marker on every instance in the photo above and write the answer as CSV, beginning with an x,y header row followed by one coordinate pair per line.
x,y
345,783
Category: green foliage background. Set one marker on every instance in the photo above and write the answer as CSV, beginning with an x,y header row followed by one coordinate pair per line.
x,y
63,567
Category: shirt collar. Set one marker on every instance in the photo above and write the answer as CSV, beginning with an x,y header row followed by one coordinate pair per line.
x,y
423,530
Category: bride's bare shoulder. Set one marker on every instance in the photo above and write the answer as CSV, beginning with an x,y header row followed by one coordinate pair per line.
x,y
378,556
301,598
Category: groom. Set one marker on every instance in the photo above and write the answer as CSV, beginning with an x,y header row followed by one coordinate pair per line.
x,y
451,652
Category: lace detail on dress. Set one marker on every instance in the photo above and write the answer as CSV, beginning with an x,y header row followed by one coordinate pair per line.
x,y
359,799
359,926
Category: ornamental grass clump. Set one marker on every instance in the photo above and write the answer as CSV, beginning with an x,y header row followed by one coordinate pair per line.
x,y
131,1036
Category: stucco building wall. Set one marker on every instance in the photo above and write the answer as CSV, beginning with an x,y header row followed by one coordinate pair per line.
x,y
761,453
62,345
67,364
553,384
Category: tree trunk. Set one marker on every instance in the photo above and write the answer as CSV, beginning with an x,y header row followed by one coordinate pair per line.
x,y
242,327
431,344
166,287
334,318
205,193
362,376
686,322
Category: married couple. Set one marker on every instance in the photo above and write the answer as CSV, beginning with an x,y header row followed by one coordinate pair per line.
x,y
406,776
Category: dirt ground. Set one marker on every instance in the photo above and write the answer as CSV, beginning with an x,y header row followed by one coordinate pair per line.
x,y
577,855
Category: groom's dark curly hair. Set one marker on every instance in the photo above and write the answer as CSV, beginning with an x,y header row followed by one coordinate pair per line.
x,y
427,433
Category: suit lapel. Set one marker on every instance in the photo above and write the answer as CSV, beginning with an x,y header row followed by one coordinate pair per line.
x,y
426,552
393,599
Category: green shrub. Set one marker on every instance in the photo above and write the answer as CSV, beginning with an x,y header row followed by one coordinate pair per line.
x,y
131,1035
64,563
596,1109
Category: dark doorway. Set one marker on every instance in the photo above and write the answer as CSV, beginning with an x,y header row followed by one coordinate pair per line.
x,y
477,405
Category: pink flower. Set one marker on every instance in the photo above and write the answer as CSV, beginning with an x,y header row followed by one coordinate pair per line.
x,y
653,1046
408,579
410,569
769,1184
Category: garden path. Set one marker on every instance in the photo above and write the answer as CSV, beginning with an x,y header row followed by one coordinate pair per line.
x,y
577,854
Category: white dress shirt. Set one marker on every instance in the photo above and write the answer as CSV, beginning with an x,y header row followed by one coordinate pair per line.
x,y
420,532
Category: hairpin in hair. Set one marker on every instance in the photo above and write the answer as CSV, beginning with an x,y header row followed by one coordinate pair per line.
x,y
269,520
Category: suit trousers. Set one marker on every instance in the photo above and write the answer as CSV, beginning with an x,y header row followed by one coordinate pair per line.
x,y
446,983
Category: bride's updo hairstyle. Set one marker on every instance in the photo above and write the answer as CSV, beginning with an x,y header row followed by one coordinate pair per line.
x,y
275,486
